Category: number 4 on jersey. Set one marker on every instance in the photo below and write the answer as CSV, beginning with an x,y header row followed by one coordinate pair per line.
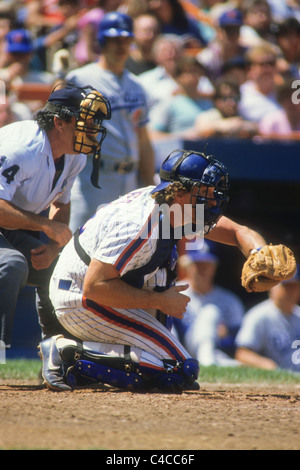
x,y
10,173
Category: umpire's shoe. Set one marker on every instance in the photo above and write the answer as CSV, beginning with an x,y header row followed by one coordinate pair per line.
x,y
52,370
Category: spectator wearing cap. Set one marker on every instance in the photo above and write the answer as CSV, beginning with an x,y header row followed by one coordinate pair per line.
x,y
39,162
19,51
127,155
269,336
214,314
54,23
226,44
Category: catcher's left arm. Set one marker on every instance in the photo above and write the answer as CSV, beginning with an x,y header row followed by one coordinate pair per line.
x,y
229,232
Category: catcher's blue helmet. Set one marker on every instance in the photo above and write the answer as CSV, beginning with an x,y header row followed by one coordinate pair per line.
x,y
115,24
195,169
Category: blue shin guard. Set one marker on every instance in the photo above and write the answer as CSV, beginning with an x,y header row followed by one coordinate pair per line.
x,y
107,375
124,374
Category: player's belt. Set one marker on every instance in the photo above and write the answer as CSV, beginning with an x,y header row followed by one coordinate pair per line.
x,y
125,166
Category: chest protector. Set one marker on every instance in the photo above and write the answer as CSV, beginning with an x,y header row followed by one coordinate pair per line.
x,y
165,256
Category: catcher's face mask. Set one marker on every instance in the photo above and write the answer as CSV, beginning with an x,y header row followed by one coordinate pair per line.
x,y
213,187
204,176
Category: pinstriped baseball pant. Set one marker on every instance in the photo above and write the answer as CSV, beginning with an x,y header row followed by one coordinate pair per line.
x,y
92,322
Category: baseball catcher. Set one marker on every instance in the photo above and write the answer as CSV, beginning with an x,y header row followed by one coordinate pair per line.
x,y
267,266
115,276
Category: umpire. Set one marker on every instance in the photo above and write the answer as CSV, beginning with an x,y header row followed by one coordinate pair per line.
x,y
39,160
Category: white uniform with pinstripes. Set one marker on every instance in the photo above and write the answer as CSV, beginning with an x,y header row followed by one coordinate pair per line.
x,y
119,234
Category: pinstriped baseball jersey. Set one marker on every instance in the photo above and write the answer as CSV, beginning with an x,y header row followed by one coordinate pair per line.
x,y
121,234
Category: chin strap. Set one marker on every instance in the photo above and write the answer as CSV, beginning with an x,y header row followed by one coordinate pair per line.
x,y
96,170
96,161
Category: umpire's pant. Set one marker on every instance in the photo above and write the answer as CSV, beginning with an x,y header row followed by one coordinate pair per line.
x,y
16,271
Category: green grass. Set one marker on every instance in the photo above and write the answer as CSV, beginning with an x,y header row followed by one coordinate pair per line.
x,y
23,369
217,374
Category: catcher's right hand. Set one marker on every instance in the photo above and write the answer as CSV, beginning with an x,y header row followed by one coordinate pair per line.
x,y
268,266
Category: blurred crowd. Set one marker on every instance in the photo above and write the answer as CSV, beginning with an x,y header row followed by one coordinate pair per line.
x,y
209,69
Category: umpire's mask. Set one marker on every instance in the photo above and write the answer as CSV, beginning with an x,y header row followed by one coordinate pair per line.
x,y
93,109
90,108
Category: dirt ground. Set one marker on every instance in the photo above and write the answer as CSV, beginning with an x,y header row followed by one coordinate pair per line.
x,y
217,417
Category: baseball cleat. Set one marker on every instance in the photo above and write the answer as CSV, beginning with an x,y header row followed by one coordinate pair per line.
x,y
52,370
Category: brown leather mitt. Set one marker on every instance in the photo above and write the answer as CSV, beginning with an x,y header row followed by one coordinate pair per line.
x,y
268,266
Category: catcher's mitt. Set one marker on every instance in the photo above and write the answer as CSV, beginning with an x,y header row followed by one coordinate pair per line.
x,y
268,266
